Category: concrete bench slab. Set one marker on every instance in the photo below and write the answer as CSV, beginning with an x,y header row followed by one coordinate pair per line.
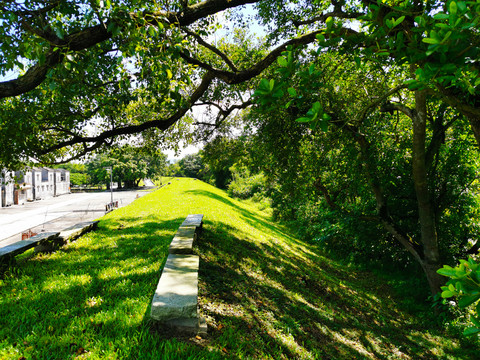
x,y
8,253
177,291
190,326
193,220
73,232
183,240
23,245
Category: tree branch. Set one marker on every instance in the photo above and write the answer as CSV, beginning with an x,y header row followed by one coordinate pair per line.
x,y
162,124
212,48
91,36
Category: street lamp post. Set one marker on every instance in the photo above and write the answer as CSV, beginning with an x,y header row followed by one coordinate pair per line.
x,y
111,183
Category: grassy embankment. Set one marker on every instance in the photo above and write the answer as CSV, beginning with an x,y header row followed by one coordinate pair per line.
x,y
264,293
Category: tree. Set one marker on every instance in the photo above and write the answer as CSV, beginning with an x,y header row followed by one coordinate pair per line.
x,y
220,155
78,173
359,156
89,62
83,61
191,166
129,165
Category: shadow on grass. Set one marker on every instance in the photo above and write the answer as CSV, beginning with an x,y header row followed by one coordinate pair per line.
x,y
252,219
91,296
262,300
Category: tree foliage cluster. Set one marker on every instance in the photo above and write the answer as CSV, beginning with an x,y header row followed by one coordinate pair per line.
x,y
128,164
365,112
228,163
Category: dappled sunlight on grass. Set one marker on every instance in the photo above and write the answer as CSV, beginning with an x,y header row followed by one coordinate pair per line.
x,y
264,293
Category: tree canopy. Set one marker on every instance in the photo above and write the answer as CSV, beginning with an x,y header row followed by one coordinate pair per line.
x,y
88,73
393,84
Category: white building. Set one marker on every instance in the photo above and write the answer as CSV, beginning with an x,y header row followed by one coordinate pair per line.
x,y
7,188
33,184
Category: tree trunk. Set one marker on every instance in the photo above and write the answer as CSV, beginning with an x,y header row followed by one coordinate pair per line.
x,y
431,255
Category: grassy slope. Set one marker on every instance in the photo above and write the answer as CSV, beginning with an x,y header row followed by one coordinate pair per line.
x,y
264,293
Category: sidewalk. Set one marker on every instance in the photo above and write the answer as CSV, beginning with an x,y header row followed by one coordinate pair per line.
x,y
56,214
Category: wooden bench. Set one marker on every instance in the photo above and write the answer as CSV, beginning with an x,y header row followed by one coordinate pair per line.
x,y
175,301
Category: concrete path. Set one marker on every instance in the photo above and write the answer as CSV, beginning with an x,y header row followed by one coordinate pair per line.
x,y
56,214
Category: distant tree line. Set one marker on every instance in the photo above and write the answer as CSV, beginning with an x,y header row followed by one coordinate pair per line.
x,y
129,166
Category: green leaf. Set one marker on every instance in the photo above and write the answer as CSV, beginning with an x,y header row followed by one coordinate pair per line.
x,y
59,33
323,125
316,107
311,69
446,36
475,320
152,31
329,22
430,41
303,119
453,7
320,38
278,93
462,6
420,20
264,85
471,331
169,73
357,61
466,300
282,61
271,84
446,294
398,21
440,16
292,91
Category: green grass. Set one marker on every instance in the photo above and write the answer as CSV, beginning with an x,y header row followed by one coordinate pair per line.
x,y
264,293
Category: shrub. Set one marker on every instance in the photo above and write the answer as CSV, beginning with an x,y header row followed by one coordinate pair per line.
x,y
244,185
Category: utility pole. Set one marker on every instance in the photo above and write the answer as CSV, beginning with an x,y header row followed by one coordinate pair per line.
x,y
109,168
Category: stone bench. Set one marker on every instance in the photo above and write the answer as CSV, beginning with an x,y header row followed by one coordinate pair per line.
x,y
183,240
194,220
175,300
186,235
45,242
75,231
8,253
67,235
176,297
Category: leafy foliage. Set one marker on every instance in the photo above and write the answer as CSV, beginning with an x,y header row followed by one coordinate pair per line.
x,y
464,285
129,165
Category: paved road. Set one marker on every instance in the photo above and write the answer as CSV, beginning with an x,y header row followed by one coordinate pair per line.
x,y
58,213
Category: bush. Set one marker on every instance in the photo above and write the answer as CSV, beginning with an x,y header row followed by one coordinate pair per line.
x,y
244,185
